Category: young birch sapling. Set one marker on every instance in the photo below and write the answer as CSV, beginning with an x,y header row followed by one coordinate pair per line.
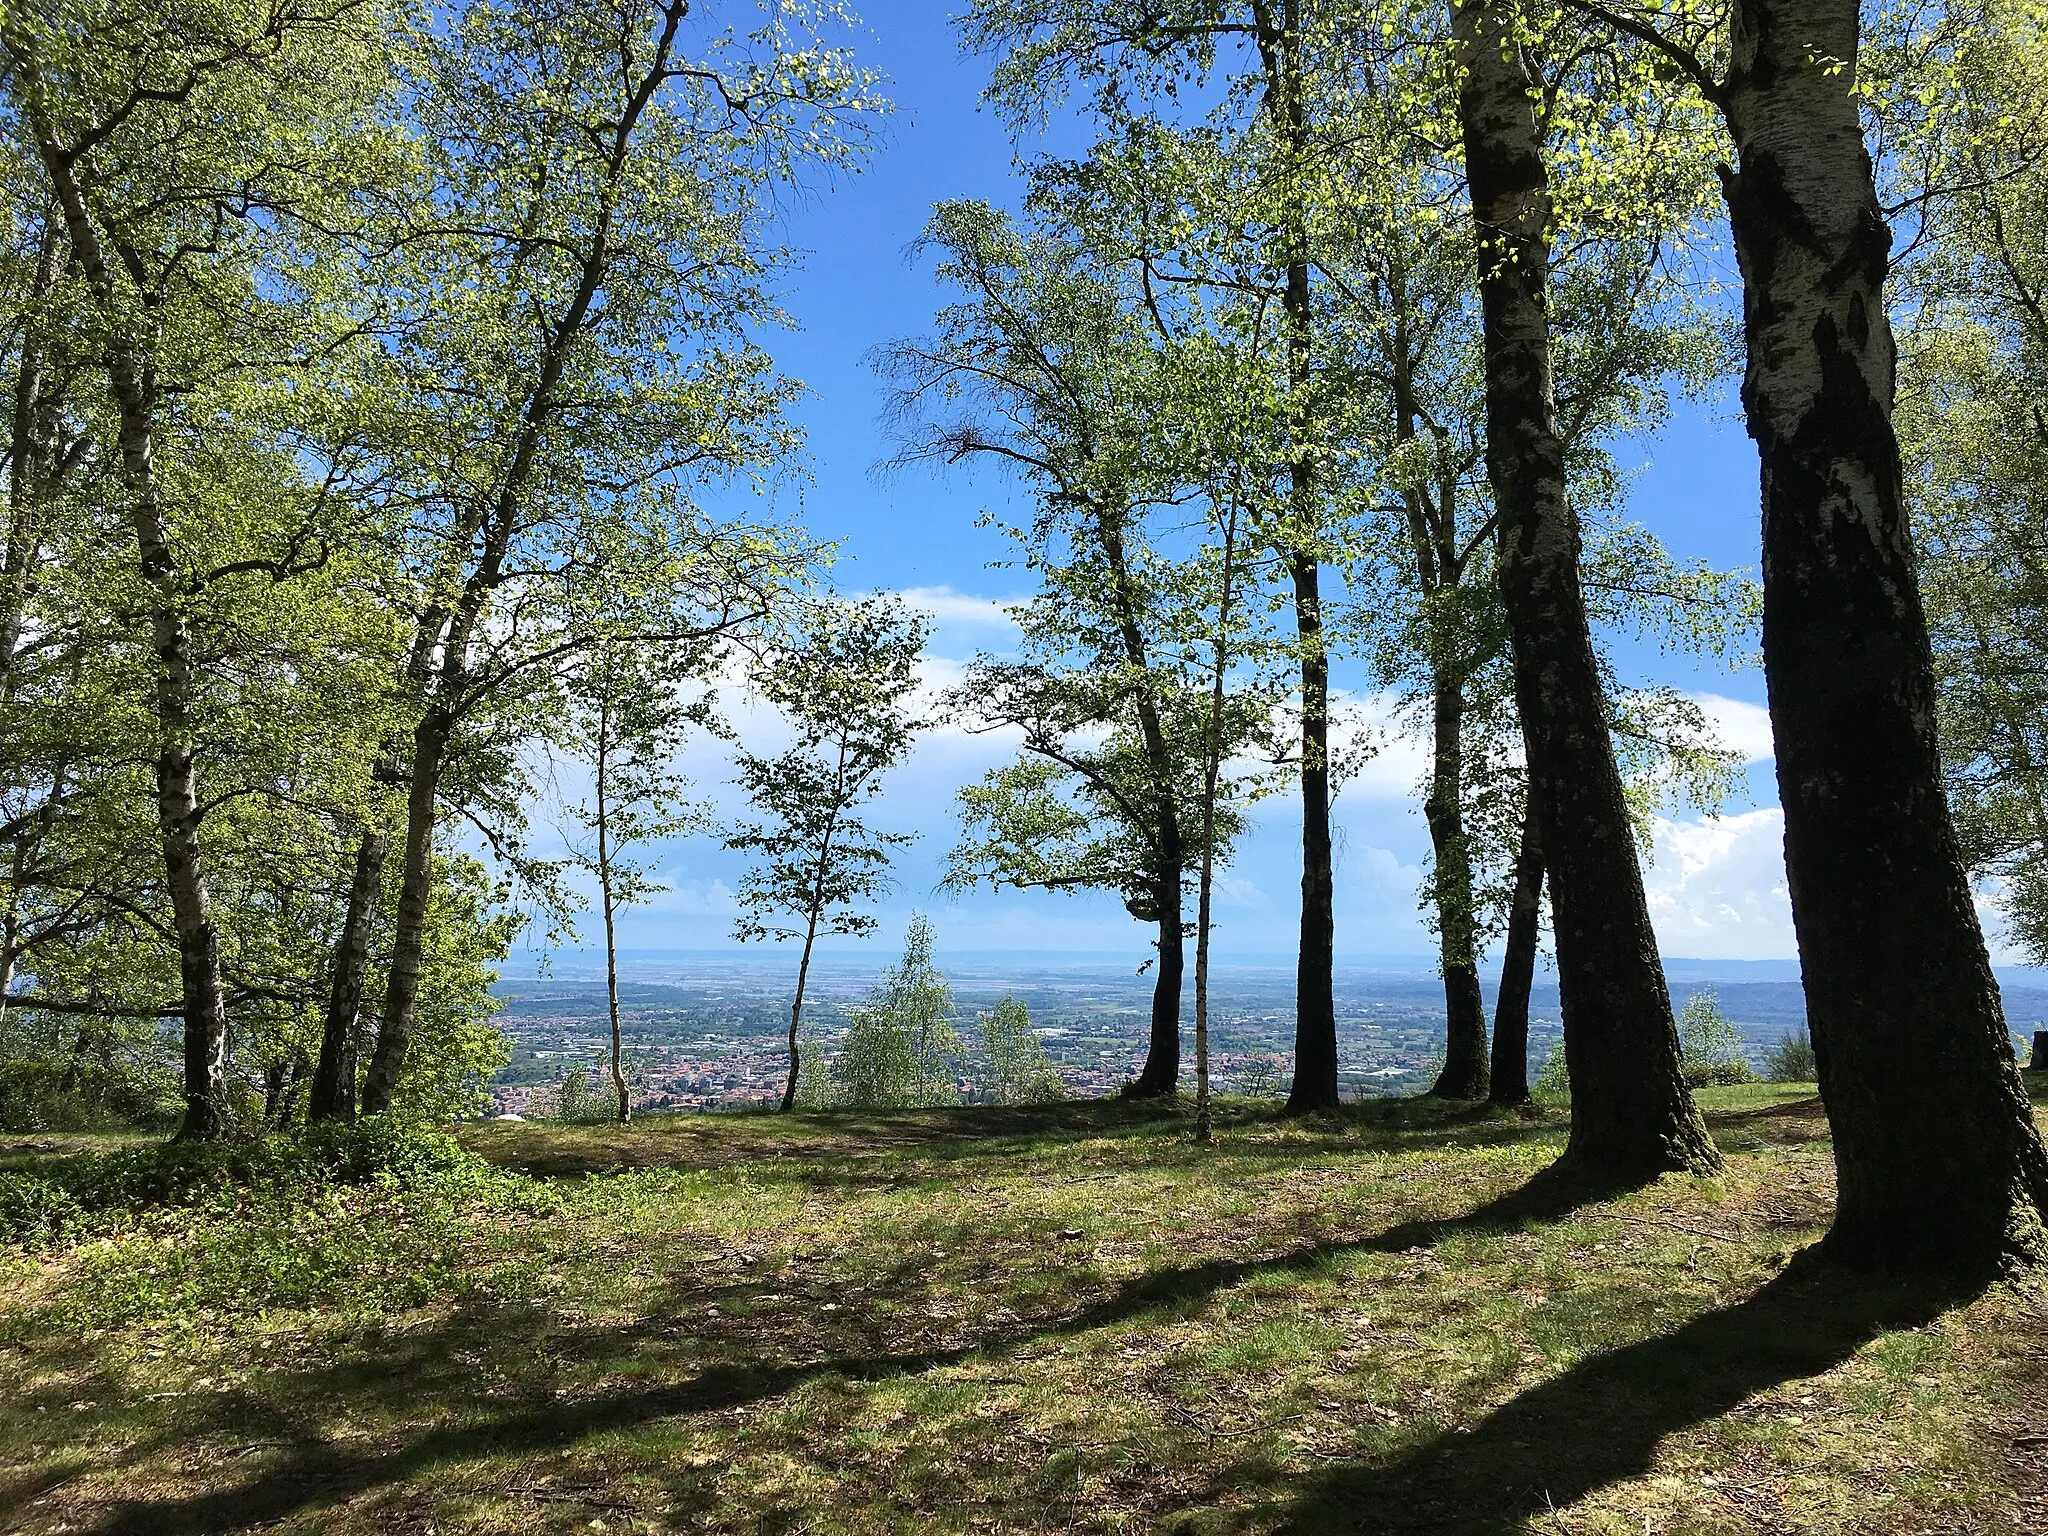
x,y
844,682
629,714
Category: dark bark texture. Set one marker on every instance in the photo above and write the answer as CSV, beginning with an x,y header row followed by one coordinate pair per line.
x,y
1464,1070
334,1076
1939,1165
1277,31
415,894
1509,1079
131,381
1315,1009
1631,1113
1160,1075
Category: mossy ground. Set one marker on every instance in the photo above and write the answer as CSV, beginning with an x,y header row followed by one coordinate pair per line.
x,y
1059,1320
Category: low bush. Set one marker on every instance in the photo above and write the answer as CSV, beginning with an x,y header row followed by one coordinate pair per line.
x,y
73,1195
1717,1074
1790,1060
34,1210
1553,1084
96,1095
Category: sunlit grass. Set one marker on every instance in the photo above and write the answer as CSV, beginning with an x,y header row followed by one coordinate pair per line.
x,y
1061,1320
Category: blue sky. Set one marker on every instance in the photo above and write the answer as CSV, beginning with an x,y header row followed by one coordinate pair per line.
x,y
1717,887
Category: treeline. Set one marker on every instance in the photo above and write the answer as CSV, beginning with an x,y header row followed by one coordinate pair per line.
x,y
383,377
383,381
1324,348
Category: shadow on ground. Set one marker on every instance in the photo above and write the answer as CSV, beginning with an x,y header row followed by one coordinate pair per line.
x,y
1601,1422
698,1354
852,1140
709,1368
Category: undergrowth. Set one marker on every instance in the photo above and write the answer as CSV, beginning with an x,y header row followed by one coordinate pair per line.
x,y
1067,1319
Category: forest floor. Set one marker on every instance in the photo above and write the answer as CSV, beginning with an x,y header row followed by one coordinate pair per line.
x,y
1067,1319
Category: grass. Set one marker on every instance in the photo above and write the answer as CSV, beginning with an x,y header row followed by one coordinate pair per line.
x,y
1067,1319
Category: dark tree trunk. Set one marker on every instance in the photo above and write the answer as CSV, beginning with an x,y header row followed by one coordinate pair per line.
x,y
33,438
1631,1112
1509,1083
1277,31
415,891
1939,1164
1160,1076
622,1096
1315,1010
796,1015
276,1080
334,1077
81,1051
1464,1070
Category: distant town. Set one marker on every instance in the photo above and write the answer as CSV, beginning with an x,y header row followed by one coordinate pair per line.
x,y
705,1032
709,1035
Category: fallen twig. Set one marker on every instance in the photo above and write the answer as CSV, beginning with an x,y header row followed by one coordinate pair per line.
x,y
1652,1221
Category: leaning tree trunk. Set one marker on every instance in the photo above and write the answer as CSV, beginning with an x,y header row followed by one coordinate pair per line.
x,y
796,1015
341,1030
1509,1078
1631,1112
334,1076
415,893
1939,1164
1464,1070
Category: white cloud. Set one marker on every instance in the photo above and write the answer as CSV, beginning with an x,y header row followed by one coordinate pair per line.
x,y
1236,891
1743,727
694,898
1400,756
950,607
1717,888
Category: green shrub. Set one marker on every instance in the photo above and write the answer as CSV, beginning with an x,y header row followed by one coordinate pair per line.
x,y
1716,1074
899,1049
82,1193
109,1094
1790,1060
34,1210
581,1100
1553,1084
1021,1070
1710,1044
876,1067
814,1086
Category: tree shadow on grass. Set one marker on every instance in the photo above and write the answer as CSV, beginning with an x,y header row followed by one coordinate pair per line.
x,y
305,1470
718,1141
1601,1422
863,1148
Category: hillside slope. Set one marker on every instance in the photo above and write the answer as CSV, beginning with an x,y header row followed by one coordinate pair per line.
x,y
1054,1320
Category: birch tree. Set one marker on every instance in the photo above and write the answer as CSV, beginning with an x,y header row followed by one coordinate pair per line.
x,y
183,150
1631,1111
846,684
580,358
633,708
1939,1164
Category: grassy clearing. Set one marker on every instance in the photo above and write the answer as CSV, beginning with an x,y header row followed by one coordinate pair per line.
x,y
1067,1319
